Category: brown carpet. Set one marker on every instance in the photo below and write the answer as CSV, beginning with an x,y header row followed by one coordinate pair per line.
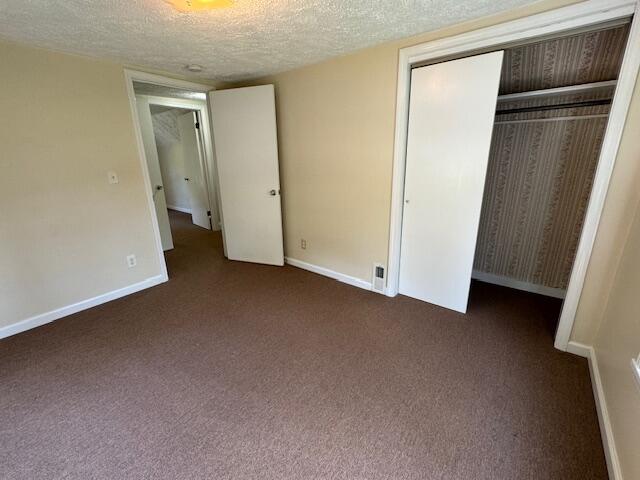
x,y
241,371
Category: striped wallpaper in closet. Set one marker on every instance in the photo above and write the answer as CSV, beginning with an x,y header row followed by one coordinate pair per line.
x,y
540,173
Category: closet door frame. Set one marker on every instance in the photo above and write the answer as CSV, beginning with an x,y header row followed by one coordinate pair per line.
x,y
586,15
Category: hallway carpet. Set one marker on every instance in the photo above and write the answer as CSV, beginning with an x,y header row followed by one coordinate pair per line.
x,y
240,371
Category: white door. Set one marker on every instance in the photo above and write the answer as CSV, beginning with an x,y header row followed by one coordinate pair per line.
x,y
151,153
451,114
194,169
245,139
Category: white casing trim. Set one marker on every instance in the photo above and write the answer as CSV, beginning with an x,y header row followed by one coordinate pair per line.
x,y
179,209
635,365
58,313
518,284
132,75
553,22
341,277
606,431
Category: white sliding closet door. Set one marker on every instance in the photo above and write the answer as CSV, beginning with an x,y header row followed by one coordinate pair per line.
x,y
451,115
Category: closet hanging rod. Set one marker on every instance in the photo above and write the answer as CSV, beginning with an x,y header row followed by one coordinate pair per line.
x,y
540,108
552,119
547,92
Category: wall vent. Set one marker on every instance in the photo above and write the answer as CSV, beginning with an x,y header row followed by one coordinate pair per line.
x,y
379,278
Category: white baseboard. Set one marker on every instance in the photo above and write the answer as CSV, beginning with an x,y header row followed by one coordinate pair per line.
x,y
579,349
606,431
518,285
341,277
179,209
53,315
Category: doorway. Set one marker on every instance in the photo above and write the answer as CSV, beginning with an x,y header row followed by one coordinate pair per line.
x,y
239,177
170,121
586,19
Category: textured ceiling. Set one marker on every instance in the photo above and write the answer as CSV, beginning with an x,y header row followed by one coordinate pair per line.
x,y
250,39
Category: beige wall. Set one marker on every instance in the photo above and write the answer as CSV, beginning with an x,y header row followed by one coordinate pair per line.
x,y
617,342
336,131
64,230
336,125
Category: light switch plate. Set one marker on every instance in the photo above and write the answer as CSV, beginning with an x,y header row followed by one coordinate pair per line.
x,y
113,177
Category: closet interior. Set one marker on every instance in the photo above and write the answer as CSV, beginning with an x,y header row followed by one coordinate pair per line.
x,y
553,104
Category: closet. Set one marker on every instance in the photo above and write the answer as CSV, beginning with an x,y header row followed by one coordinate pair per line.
x,y
513,215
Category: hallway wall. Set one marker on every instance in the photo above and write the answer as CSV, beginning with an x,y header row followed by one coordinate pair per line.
x,y
171,157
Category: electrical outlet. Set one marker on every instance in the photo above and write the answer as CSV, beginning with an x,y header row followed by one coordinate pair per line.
x,y
303,244
113,177
131,261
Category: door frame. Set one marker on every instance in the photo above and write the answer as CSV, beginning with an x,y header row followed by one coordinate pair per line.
x,y
206,163
552,23
134,75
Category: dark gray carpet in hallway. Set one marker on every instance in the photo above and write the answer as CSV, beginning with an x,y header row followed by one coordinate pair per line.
x,y
241,371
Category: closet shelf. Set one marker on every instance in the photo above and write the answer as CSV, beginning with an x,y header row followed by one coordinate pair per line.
x,y
549,92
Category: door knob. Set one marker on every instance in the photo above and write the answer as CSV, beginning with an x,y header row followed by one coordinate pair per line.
x,y
273,193
186,179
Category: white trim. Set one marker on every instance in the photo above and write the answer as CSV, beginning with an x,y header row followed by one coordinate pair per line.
x,y
518,284
579,349
635,366
608,154
156,79
179,209
549,92
134,75
53,315
185,103
606,431
341,277
554,22
130,76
